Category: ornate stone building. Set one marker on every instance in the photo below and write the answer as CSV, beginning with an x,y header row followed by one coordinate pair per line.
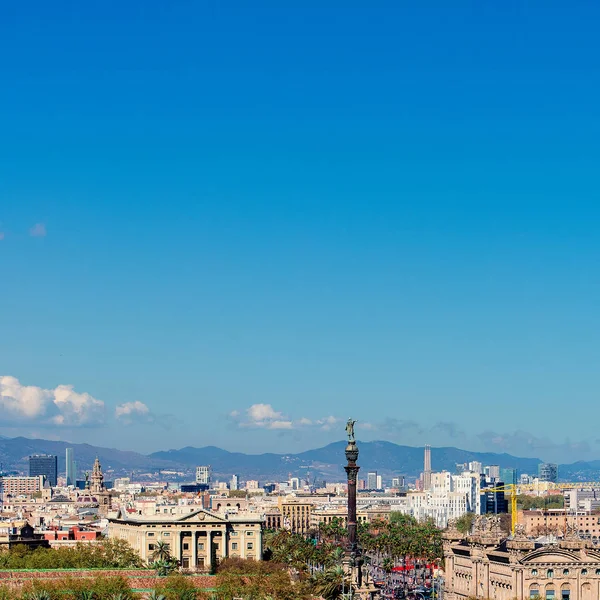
x,y
98,490
486,565
198,539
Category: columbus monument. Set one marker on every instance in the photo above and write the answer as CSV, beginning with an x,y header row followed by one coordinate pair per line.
x,y
354,563
352,471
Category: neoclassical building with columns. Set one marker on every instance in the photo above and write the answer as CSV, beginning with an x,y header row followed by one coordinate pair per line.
x,y
198,539
488,565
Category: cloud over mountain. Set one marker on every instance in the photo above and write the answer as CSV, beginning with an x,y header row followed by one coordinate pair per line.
x,y
61,406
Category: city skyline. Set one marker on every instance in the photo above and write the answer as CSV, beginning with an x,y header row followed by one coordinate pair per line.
x,y
238,226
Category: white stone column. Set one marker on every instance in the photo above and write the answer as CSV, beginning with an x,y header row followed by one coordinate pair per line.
x,y
224,543
195,550
208,548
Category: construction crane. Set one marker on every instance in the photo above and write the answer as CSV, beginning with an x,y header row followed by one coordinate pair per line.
x,y
514,489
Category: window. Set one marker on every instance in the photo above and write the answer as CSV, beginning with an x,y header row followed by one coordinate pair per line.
x,y
151,534
249,532
565,571
234,546
249,545
534,572
550,573
234,533
534,591
167,533
150,546
186,546
201,546
584,571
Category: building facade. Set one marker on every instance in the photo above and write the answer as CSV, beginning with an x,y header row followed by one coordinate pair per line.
x,y
203,474
198,539
18,486
548,472
295,515
487,565
71,473
46,465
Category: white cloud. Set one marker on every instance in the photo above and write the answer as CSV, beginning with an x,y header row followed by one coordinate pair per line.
x,y
130,412
264,416
59,406
38,230
327,423
262,412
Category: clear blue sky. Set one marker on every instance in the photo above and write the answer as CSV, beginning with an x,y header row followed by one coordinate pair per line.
x,y
389,212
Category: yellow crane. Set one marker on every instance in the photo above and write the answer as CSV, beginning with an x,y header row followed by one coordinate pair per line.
x,y
514,489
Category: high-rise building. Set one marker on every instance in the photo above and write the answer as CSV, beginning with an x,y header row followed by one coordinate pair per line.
x,y
492,472
379,482
548,472
509,476
44,464
372,480
235,482
71,470
203,474
476,467
398,482
427,468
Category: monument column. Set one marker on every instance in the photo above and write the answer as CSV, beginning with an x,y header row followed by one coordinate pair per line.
x,y
351,469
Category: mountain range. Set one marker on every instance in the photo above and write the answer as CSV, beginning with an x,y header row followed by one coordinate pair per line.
x,y
387,458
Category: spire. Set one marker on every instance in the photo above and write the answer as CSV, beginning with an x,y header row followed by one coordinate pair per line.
x,y
97,479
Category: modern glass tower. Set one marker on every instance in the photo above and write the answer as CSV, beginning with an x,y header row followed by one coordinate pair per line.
x,y
44,464
71,470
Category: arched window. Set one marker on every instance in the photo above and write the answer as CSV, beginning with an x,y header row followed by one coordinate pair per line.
x,y
534,590
534,572
550,592
565,571
565,592
584,571
550,573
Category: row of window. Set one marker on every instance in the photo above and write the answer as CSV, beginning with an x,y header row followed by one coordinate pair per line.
x,y
550,572
168,533
234,546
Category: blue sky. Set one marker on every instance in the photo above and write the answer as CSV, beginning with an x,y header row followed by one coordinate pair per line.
x,y
240,223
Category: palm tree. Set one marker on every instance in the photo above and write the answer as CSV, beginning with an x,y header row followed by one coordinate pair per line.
x,y
329,584
162,551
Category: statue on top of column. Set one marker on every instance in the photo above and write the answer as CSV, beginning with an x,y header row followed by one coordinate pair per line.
x,y
350,431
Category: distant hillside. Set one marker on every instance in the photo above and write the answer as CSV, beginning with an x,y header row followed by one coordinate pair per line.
x,y
14,453
386,458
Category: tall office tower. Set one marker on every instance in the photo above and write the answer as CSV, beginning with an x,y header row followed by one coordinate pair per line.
x,y
44,464
235,482
476,467
372,480
427,469
203,474
508,476
492,472
548,472
379,482
71,470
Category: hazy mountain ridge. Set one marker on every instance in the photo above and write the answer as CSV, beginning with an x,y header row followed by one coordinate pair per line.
x,y
387,458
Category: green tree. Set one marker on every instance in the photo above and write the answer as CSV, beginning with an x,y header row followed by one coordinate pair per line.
x,y
465,522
